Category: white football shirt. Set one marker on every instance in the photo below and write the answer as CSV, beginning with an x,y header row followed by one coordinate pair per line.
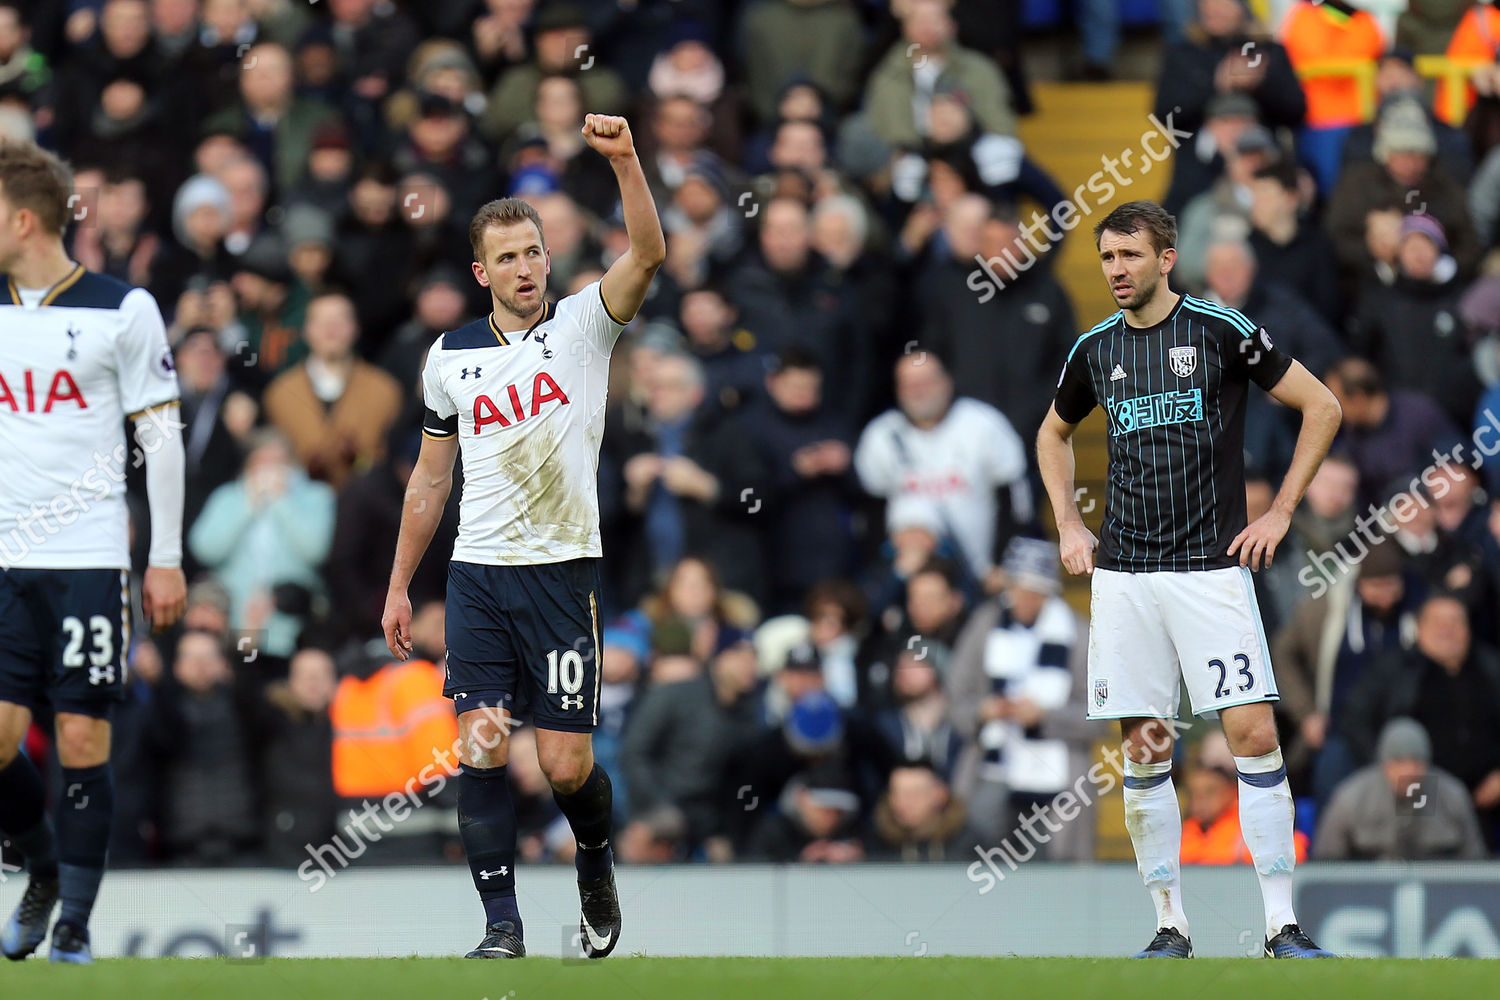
x,y
75,361
958,465
528,411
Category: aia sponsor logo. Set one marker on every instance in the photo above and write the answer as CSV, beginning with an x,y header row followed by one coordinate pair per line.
x,y
510,410
26,394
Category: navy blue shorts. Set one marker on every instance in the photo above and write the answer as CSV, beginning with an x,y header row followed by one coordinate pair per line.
x,y
64,634
526,638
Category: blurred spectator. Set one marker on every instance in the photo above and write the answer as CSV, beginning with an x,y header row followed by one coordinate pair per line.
x,y
735,370
440,307
1389,434
1200,162
200,221
307,233
123,47
264,537
1315,35
1017,686
920,819
674,144
657,836
958,452
1395,79
690,485
915,537
786,297
249,192
1405,176
330,172
392,725
335,408
296,759
688,67
563,45
276,125
1449,545
373,40
920,725
1400,808
215,419
1232,275
923,59
1225,53
437,143
1288,248
366,524
1326,650
372,245
835,615
1224,206
199,734
806,451
817,822
498,35
550,154
1211,831
272,311
683,735
1412,330
119,243
787,40
699,215
1451,686
1004,349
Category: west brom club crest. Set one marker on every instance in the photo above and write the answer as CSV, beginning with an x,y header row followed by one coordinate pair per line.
x,y
1101,691
1184,360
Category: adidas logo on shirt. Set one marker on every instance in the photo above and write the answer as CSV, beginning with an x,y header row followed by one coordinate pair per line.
x,y
1117,374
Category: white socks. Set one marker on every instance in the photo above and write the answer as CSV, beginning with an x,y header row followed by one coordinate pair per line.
x,y
1266,818
1154,820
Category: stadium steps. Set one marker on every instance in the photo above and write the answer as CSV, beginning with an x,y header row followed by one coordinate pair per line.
x,y
1075,125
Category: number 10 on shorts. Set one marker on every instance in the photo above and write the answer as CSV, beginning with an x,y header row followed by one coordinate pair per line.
x,y
1247,679
566,666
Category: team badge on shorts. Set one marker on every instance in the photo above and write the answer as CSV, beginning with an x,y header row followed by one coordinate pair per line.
x,y
1101,691
1184,360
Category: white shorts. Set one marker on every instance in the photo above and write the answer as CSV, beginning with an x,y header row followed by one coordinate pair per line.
x,y
1147,630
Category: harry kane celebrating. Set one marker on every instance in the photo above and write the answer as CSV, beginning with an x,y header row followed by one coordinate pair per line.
x,y
521,395
1172,594
79,354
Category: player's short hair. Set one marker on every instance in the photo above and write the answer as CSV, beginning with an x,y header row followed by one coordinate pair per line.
x,y
34,179
502,212
1137,216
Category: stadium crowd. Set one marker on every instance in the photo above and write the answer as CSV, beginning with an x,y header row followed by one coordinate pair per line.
x,y
834,628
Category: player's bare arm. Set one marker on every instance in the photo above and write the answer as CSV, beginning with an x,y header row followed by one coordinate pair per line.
x,y
426,494
164,586
1054,458
624,284
1300,390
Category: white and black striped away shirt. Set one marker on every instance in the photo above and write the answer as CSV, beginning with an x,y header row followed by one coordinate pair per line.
x,y
1175,398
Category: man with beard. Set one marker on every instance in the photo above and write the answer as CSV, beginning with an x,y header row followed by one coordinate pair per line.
x,y
1172,597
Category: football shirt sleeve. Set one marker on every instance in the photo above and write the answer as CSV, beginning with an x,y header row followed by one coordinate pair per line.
x,y
594,317
441,419
147,376
1260,360
1075,395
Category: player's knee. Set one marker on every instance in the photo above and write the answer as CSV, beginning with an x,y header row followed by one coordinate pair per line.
x,y
1147,741
566,773
82,741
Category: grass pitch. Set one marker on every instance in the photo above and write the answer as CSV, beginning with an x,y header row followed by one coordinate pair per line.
x,y
627,978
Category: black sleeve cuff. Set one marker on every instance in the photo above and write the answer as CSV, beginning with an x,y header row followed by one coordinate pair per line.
x,y
438,427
